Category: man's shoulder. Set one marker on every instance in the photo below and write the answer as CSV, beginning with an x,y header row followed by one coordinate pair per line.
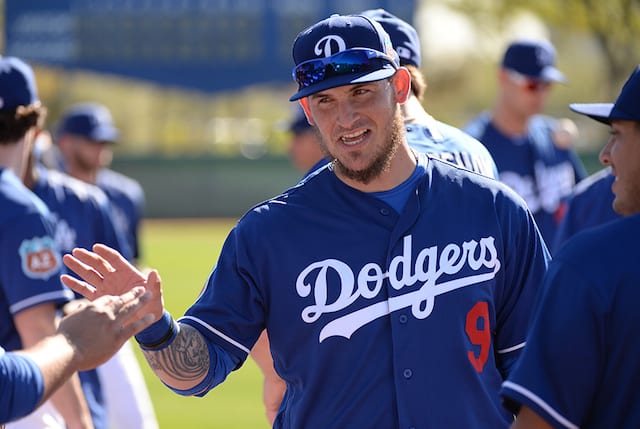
x,y
113,182
70,187
477,125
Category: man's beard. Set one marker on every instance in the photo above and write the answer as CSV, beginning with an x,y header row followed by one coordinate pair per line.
x,y
382,160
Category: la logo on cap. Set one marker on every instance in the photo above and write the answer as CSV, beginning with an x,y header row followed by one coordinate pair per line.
x,y
327,41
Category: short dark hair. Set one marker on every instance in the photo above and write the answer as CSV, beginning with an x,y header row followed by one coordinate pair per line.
x,y
418,82
14,124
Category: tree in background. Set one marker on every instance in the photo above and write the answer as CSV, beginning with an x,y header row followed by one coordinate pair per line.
x,y
613,24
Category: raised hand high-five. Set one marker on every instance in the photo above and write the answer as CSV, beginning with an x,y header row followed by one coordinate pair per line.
x,y
107,272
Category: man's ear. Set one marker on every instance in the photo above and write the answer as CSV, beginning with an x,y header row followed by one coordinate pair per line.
x,y
402,84
304,102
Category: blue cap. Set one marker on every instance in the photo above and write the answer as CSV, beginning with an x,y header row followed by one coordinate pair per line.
x,y
336,34
92,121
17,84
626,107
404,37
299,122
533,58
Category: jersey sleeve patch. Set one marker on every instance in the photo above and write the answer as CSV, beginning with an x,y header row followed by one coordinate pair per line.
x,y
39,258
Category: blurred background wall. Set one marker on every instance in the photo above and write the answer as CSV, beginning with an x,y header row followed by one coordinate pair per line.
x,y
199,88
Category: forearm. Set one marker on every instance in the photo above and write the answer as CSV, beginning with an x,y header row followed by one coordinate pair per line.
x,y
61,382
184,363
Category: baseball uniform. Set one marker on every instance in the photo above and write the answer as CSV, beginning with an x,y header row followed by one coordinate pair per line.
x,y
579,368
379,318
532,165
590,204
127,200
21,386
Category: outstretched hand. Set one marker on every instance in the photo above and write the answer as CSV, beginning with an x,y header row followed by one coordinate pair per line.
x,y
107,272
98,329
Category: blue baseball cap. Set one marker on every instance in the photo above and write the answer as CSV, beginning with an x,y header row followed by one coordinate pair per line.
x,y
17,84
92,121
341,50
533,58
626,107
404,37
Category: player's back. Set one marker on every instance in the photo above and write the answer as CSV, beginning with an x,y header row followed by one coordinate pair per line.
x,y
127,199
81,212
451,144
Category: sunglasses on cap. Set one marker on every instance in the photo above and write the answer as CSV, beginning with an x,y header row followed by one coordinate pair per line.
x,y
530,84
349,61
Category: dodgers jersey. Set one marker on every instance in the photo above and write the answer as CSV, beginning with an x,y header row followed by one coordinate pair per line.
x,y
378,318
31,264
590,204
81,212
82,217
21,386
588,321
127,201
533,165
452,145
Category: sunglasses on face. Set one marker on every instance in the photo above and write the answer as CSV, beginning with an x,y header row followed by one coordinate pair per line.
x,y
531,85
350,61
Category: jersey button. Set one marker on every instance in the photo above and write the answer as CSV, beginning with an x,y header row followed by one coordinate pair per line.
x,y
384,211
407,373
403,318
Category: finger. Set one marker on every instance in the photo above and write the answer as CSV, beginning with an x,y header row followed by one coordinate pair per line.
x,y
82,263
111,256
83,288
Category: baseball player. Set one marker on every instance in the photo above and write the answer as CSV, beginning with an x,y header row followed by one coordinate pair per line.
x,y
30,290
30,376
589,205
531,158
84,139
82,216
588,314
383,301
424,134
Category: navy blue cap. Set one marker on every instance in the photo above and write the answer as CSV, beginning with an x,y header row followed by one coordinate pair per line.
x,y
338,33
92,121
299,121
533,58
404,37
626,107
17,84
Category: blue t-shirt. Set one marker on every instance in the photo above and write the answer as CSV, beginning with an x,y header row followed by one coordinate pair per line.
x,y
580,367
543,173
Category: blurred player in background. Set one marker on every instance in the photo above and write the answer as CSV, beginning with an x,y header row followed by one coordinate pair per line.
x,y
588,316
30,290
82,213
590,204
533,158
425,133
386,280
84,139
304,146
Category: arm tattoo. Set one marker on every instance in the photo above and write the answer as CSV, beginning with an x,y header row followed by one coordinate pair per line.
x,y
186,359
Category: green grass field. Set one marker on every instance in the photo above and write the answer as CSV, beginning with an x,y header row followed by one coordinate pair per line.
x,y
184,252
